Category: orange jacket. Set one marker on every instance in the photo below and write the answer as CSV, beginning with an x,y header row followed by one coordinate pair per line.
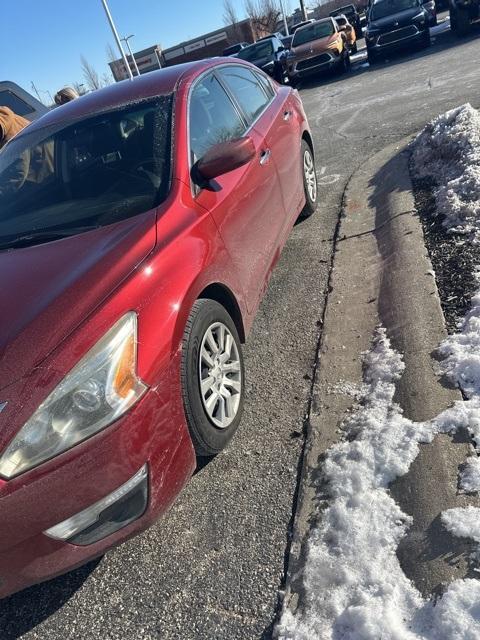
x,y
10,125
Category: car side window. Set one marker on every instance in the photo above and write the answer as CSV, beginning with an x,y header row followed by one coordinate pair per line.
x,y
266,84
247,90
213,117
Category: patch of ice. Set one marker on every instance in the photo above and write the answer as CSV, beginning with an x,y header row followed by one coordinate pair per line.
x,y
470,475
448,152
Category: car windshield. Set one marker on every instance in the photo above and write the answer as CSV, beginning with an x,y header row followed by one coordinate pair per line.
x,y
315,31
385,8
256,51
62,180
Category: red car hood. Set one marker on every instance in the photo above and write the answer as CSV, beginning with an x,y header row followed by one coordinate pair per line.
x,y
47,290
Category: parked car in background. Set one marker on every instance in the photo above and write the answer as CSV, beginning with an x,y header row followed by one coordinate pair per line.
x,y
20,101
267,54
234,48
317,47
346,27
350,11
395,24
133,265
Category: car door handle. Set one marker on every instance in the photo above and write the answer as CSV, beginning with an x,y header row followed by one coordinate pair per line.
x,y
286,115
265,156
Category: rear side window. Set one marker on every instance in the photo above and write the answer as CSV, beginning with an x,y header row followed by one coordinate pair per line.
x,y
213,117
247,90
16,104
266,84
94,172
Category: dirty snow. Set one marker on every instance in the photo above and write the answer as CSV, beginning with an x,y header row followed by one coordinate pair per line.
x,y
355,587
469,480
448,152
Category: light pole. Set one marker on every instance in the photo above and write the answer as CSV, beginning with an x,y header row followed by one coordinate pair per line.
x,y
117,39
126,39
285,23
304,11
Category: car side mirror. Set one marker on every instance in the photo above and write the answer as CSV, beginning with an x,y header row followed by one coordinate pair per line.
x,y
225,157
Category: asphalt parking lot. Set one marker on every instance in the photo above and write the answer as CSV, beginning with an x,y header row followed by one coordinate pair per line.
x,y
213,567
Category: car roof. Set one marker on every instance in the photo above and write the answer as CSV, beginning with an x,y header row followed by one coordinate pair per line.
x,y
161,82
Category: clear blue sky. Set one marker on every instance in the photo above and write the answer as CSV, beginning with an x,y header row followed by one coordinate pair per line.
x,y
42,40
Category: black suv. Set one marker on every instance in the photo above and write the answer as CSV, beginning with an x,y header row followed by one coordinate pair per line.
x,y
395,24
20,101
267,54
352,15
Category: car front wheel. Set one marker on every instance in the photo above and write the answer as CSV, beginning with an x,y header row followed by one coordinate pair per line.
x,y
310,185
213,377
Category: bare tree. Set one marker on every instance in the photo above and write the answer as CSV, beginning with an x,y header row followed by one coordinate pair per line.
x,y
229,13
111,54
90,75
79,88
106,79
264,15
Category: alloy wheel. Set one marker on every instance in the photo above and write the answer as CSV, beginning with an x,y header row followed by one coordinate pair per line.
x,y
310,176
220,375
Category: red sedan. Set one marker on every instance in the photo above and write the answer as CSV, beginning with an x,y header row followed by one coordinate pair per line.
x,y
139,226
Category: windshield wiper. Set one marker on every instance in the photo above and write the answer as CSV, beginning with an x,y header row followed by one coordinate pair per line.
x,y
39,237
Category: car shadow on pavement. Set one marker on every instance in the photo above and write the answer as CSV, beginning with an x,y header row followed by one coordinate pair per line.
x,y
26,609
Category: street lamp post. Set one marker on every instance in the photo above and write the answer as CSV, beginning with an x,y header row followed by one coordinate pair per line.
x,y
285,23
126,39
303,10
117,39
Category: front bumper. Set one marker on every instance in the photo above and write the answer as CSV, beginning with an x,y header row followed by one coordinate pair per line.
x,y
315,64
153,432
395,39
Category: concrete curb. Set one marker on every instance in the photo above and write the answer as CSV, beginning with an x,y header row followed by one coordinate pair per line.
x,y
381,274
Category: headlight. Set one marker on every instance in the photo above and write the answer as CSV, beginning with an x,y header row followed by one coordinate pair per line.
x,y
97,391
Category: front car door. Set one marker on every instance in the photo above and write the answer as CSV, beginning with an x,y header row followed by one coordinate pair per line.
x,y
246,203
280,129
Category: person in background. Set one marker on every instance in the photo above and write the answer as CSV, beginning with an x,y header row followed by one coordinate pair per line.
x,y
10,125
67,94
34,165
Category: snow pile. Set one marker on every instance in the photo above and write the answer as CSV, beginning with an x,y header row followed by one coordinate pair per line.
x,y
470,475
355,587
463,522
448,152
462,352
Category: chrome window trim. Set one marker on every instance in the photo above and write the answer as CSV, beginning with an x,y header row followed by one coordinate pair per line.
x,y
212,70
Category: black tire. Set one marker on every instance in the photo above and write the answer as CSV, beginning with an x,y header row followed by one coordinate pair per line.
x,y
208,438
310,203
372,59
426,40
463,23
453,20
344,65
